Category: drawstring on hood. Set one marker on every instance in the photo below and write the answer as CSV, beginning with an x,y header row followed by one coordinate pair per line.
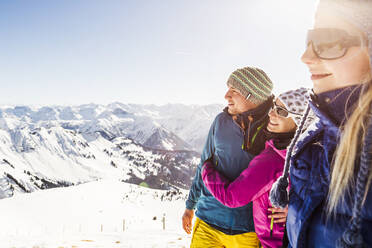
x,y
297,102
279,194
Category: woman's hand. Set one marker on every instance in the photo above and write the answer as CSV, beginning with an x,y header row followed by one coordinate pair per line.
x,y
279,214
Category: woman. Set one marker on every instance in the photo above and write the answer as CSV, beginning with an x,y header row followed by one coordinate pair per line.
x,y
330,201
254,183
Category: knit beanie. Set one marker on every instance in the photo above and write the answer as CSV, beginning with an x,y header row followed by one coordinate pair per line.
x,y
252,83
296,101
356,12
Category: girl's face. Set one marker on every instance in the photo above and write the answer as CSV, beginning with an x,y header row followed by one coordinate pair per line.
x,y
353,68
279,124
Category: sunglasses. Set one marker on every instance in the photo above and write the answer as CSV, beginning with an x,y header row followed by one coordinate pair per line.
x,y
331,43
283,112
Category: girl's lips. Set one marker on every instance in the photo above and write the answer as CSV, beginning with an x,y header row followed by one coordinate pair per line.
x,y
319,76
272,124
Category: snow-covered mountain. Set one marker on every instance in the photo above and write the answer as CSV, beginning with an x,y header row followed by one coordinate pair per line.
x,y
52,146
168,127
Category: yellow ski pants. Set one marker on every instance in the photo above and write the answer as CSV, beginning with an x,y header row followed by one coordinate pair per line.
x,y
205,236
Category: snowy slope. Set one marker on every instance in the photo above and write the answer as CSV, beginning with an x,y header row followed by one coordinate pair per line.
x,y
98,214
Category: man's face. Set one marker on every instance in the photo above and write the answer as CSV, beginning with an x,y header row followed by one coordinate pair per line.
x,y
236,103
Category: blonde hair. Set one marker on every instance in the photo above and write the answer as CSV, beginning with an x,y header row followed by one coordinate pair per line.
x,y
347,152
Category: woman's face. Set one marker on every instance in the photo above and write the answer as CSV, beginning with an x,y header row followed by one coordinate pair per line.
x,y
353,68
279,124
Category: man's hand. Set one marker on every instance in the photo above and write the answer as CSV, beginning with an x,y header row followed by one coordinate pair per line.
x,y
187,220
279,214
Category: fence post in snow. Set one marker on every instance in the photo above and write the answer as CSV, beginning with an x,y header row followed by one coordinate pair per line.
x,y
163,220
123,225
101,227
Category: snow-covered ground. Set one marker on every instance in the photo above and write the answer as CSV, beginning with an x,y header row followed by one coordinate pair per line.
x,y
97,214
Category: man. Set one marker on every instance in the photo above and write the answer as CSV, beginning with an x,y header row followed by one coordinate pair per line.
x,y
235,137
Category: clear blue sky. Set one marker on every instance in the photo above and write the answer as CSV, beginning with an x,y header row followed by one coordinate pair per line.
x,y
146,51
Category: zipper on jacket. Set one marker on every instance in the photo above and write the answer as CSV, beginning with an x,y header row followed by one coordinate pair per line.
x,y
246,132
257,131
242,129
235,121
248,143
271,225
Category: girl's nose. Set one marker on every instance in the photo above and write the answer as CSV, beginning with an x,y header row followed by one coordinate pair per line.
x,y
309,57
272,113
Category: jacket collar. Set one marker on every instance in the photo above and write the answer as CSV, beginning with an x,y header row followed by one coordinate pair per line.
x,y
321,122
282,153
337,104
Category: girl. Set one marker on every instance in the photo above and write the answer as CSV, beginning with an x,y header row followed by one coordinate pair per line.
x,y
330,201
254,183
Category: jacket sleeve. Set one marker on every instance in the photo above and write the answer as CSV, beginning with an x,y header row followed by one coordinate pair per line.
x,y
252,182
197,183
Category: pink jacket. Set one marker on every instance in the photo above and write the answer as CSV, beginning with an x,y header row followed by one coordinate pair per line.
x,y
253,184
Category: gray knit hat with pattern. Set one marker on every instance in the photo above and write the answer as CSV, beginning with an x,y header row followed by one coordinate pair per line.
x,y
252,83
296,101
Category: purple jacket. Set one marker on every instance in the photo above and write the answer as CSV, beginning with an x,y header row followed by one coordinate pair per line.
x,y
253,184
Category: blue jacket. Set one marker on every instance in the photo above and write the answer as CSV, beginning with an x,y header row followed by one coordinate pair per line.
x,y
307,222
224,147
